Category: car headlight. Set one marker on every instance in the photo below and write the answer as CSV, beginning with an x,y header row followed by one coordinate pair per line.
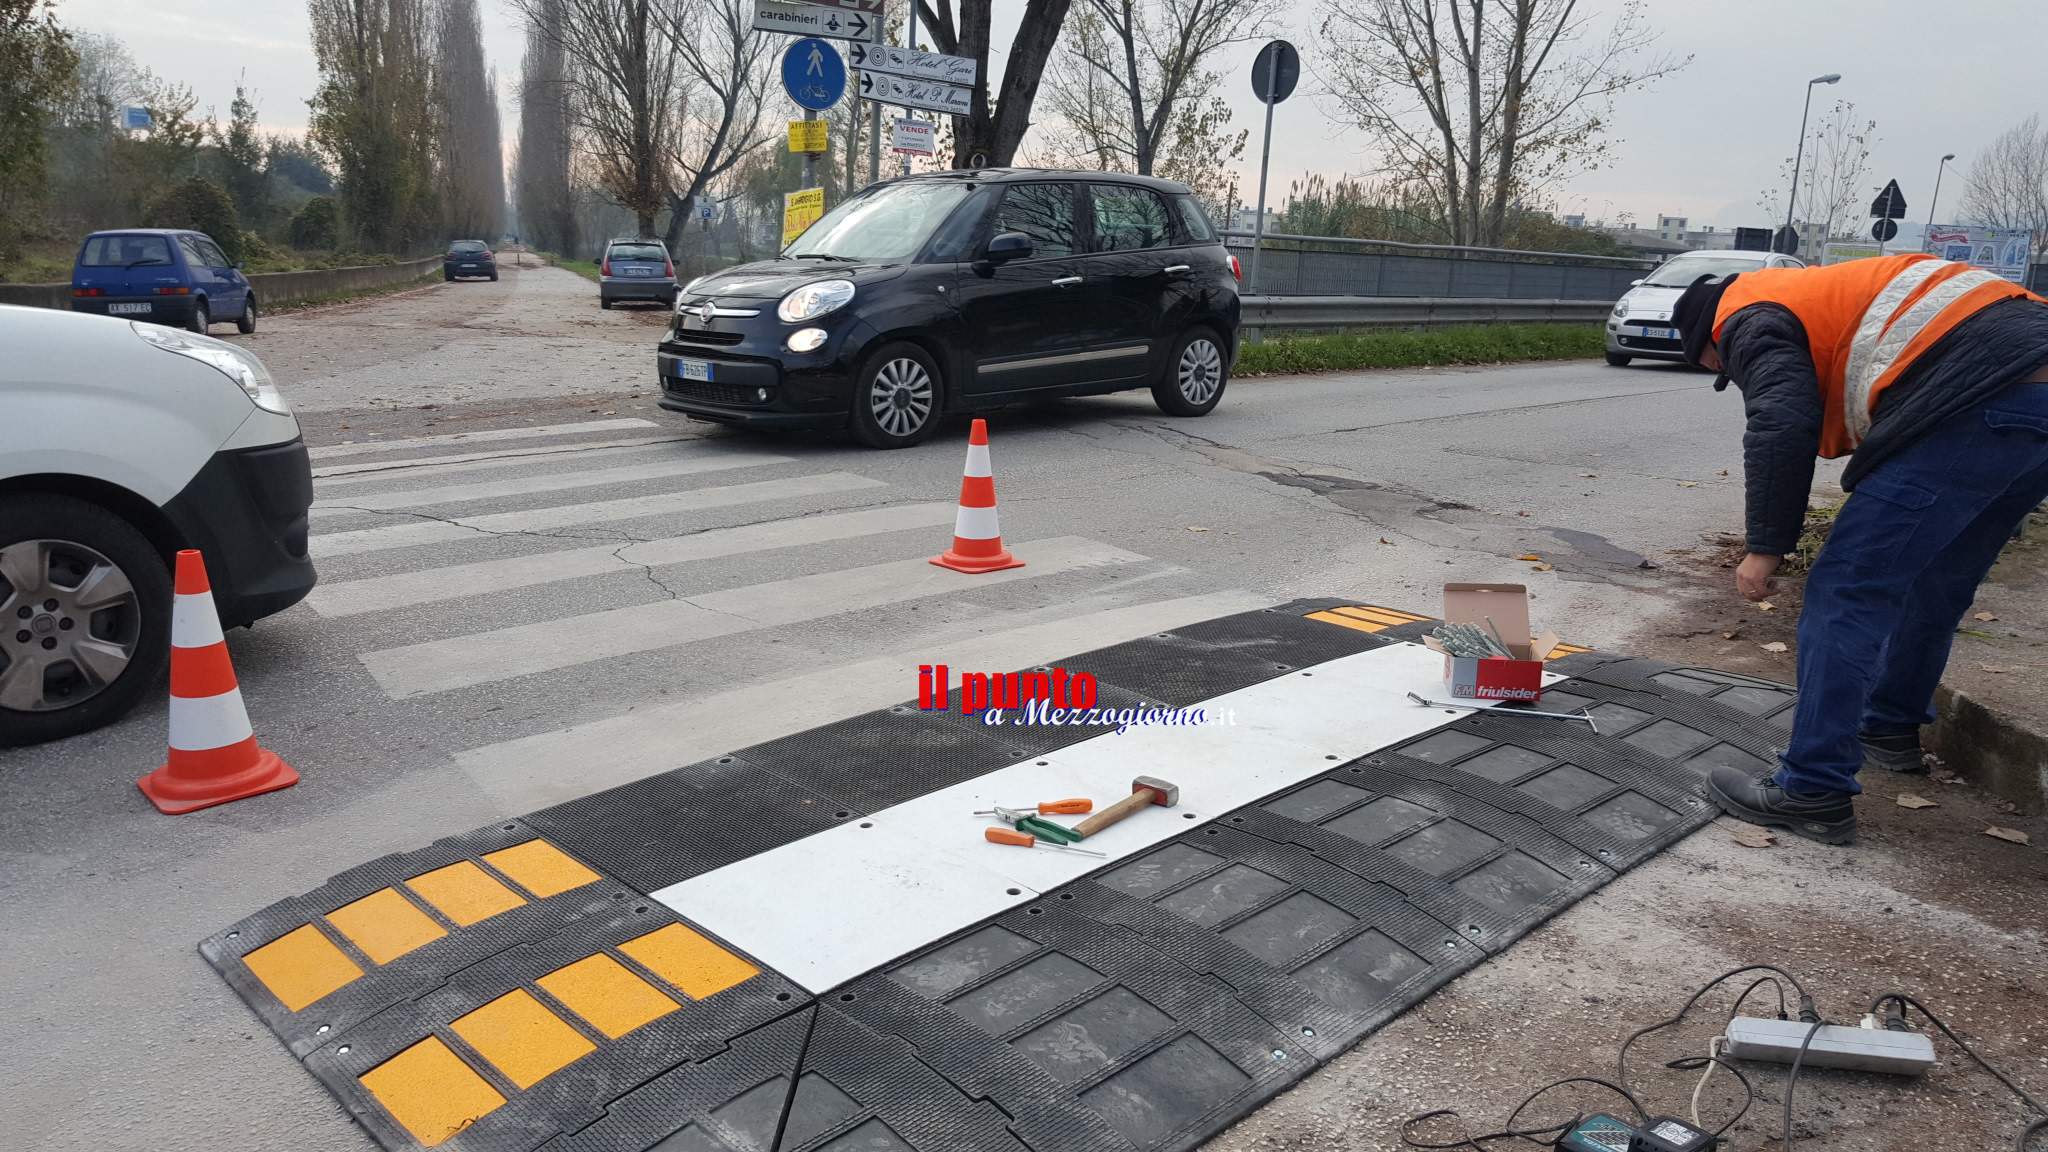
x,y
1621,308
234,363
814,300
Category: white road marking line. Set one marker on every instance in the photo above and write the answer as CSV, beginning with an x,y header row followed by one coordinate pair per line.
x,y
485,657
455,581
552,767
362,472
413,532
924,861
551,482
482,435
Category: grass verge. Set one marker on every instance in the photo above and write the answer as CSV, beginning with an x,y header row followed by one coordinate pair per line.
x,y
1419,348
584,268
295,305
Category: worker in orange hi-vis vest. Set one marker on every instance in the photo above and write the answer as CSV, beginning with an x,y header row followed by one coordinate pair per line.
x,y
1932,378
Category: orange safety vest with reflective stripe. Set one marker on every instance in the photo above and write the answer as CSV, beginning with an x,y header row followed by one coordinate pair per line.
x,y
1866,321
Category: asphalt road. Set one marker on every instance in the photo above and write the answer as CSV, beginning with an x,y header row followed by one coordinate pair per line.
x,y
535,584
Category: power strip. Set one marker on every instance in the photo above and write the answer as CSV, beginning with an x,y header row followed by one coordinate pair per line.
x,y
1867,1049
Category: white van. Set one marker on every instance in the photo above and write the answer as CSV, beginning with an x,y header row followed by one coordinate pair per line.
x,y
124,443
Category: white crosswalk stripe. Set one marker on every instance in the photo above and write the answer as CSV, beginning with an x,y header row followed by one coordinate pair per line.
x,y
550,482
416,532
482,436
363,472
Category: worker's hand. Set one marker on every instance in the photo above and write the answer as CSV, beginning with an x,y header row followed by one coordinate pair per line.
x,y
1753,575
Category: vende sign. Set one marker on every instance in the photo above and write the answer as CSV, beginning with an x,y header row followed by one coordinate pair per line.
x,y
913,137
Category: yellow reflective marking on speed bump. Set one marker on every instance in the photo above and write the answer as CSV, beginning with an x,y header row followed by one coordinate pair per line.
x,y
431,1092
606,995
688,961
385,925
1347,622
1376,615
540,868
301,966
521,1038
464,893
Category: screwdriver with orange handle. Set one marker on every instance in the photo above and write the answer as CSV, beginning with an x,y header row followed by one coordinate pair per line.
x,y
1026,840
1077,806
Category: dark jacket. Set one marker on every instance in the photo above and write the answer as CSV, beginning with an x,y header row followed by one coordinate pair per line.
x,y
1764,350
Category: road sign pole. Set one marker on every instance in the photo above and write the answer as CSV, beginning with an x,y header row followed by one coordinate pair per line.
x,y
810,158
910,30
875,142
852,132
1265,159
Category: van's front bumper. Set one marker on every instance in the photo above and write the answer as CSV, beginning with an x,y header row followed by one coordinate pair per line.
x,y
246,511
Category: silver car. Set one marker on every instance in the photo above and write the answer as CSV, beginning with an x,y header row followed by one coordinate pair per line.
x,y
1640,326
636,270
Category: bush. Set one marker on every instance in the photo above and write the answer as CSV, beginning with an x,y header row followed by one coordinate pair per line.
x,y
317,224
1416,348
202,206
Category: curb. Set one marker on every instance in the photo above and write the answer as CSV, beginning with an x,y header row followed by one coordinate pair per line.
x,y
1991,749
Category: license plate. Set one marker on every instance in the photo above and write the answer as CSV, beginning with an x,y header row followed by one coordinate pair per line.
x,y
128,309
639,271
694,370
1658,333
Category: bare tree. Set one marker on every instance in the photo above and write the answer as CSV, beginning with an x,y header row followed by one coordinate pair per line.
x,y
107,78
621,72
993,130
2008,186
466,99
1479,104
547,209
373,114
1130,64
724,75
1835,180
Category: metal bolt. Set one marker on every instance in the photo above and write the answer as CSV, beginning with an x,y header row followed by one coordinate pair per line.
x,y
49,642
65,623
25,612
21,637
50,605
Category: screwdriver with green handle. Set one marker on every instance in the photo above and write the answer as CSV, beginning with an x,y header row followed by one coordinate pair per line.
x,y
1029,819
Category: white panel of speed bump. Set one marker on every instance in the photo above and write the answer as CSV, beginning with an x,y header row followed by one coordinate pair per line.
x,y
844,901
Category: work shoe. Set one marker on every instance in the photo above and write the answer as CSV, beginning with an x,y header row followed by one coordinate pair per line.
x,y
1899,753
1829,817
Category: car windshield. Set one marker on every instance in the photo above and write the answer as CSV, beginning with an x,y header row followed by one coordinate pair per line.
x,y
889,223
639,252
1681,271
125,251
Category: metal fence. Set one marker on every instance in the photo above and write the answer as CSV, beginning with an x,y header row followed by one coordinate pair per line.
x,y
1338,266
1280,313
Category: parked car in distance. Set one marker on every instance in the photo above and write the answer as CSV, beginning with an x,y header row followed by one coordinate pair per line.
x,y
162,275
953,291
137,440
469,258
1640,326
635,270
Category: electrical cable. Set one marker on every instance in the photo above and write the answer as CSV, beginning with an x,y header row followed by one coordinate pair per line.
x,y
1761,980
1642,1114
1713,1058
1476,1141
1688,1063
1792,1078
1904,1000
1806,1009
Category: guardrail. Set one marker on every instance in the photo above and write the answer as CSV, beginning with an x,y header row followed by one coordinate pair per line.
x,y
273,289
1412,311
1291,265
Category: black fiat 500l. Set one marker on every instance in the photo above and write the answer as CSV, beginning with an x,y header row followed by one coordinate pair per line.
x,y
958,291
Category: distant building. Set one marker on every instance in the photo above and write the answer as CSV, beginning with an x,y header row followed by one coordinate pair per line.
x,y
1247,220
1671,228
1576,220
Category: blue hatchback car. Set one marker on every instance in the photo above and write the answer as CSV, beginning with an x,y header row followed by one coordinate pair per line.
x,y
163,275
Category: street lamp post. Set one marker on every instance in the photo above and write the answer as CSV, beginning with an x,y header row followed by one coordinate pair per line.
x,y
1799,151
1938,170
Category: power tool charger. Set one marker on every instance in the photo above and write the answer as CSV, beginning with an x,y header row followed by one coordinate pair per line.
x,y
1600,1132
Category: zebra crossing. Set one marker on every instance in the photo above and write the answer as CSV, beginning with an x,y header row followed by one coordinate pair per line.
x,y
663,597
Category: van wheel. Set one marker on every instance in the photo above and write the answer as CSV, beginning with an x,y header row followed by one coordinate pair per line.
x,y
1195,375
85,609
246,322
1617,360
200,320
897,397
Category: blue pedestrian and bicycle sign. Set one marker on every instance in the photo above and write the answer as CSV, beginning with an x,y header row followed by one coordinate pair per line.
x,y
813,74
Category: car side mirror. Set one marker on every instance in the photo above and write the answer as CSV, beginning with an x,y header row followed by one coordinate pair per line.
x,y
1635,283
1007,246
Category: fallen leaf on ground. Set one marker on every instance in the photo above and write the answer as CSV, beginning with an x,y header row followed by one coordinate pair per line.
x,y
1731,635
2009,835
1987,617
1688,483
1196,528
1521,513
1539,567
1384,540
1773,646
1754,838
1528,556
1589,475
1722,472
1908,800
1766,606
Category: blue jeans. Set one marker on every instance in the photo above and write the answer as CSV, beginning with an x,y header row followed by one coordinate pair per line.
x,y
1899,570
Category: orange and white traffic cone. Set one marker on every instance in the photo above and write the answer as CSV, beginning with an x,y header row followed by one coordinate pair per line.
x,y
977,540
214,755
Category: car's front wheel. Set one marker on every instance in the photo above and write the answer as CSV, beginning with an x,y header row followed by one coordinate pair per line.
x,y
85,607
246,322
1617,360
1195,374
897,397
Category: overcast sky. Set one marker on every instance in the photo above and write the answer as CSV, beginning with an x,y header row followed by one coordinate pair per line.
x,y
1701,144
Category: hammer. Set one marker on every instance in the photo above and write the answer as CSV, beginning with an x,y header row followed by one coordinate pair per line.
x,y
1145,792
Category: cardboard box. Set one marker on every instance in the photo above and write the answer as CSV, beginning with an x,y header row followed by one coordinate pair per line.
x,y
1494,678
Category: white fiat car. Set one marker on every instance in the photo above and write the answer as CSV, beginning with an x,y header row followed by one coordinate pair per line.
x,y
1640,326
127,442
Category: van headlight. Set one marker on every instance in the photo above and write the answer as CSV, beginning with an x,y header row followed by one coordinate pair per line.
x,y
234,363
1621,308
814,300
